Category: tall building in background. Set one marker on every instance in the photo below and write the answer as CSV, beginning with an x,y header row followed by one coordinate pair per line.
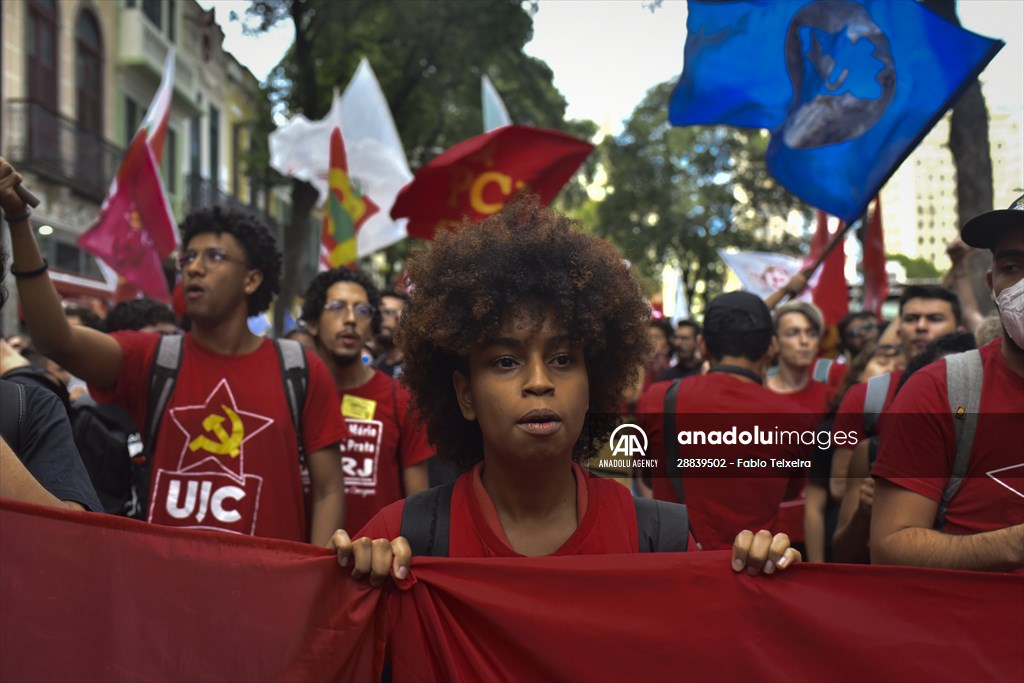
x,y
76,78
919,202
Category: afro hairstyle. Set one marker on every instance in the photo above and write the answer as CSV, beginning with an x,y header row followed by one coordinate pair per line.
x,y
316,294
524,260
256,238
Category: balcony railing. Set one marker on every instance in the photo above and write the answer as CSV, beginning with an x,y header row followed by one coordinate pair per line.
x,y
56,148
202,191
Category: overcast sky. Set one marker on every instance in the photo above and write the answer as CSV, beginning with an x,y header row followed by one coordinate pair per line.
x,y
606,54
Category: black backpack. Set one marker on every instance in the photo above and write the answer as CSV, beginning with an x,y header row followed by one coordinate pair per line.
x,y
663,527
108,440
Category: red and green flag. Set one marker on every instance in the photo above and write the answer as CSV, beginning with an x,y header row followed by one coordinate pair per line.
x,y
345,211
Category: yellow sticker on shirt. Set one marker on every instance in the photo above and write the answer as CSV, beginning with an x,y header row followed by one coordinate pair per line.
x,y
358,408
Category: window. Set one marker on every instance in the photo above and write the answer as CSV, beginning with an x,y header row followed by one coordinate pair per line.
x,y
153,9
169,166
214,146
41,50
132,119
195,146
89,73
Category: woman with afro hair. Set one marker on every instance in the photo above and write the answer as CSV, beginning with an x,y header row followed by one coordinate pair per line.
x,y
520,337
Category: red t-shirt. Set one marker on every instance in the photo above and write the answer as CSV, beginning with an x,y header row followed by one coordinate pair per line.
x,y
607,522
918,445
226,453
850,416
384,437
724,501
813,398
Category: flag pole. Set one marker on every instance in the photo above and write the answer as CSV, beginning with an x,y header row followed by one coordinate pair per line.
x,y
26,196
829,248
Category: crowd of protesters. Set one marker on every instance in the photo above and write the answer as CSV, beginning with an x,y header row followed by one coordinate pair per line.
x,y
521,347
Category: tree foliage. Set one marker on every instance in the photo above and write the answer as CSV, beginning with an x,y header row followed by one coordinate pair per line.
x,y
428,57
676,195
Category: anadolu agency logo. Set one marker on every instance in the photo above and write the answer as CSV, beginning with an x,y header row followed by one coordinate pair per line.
x,y
628,444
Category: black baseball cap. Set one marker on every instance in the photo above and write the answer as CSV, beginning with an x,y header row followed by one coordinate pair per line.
x,y
737,312
983,231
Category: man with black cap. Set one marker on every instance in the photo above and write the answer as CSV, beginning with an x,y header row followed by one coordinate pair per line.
x,y
950,469
728,481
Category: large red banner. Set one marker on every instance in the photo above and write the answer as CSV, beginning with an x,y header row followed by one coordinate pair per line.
x,y
90,597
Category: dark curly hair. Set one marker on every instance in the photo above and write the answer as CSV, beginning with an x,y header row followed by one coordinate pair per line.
x,y
524,259
138,313
316,294
255,236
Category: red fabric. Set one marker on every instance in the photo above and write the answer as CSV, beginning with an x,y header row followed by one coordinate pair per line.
x,y
918,446
609,525
675,616
476,177
876,280
836,372
377,449
850,416
812,398
91,597
345,211
830,294
723,502
135,230
226,455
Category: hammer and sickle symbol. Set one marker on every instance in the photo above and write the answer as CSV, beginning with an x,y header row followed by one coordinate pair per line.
x,y
226,444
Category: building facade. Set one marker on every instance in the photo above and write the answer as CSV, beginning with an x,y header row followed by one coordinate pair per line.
x,y
76,78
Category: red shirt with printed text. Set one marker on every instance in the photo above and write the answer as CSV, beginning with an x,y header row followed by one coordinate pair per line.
x,y
385,437
226,454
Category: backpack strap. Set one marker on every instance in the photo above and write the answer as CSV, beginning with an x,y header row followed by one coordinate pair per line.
x,y
821,369
12,393
295,375
426,518
874,400
964,378
663,527
675,476
162,377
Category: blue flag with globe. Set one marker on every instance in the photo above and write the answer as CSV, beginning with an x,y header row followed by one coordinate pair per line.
x,y
847,89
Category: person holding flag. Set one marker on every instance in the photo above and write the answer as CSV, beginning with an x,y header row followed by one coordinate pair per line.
x,y
225,448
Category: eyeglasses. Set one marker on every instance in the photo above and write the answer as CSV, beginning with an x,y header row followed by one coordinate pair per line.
x,y
862,330
361,309
211,258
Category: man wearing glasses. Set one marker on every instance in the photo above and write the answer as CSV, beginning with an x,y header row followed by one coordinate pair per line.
x,y
384,458
226,453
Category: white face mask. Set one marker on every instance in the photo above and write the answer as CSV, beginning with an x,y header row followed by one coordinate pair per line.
x,y
1010,303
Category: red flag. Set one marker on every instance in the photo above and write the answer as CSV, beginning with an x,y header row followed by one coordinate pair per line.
x,y
876,280
476,177
135,232
829,292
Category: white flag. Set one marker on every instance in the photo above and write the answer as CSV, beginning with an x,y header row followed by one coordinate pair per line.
x,y
495,114
761,272
376,158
